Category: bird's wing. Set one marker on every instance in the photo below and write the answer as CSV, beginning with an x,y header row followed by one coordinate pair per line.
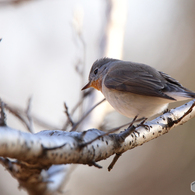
x,y
142,80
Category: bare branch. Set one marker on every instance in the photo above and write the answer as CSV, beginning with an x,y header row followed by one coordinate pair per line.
x,y
14,2
32,148
21,115
123,136
116,157
68,116
35,153
85,115
78,104
77,25
16,113
44,179
3,117
44,124
28,114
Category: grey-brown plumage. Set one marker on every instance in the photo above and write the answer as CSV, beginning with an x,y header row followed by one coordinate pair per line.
x,y
132,84
143,80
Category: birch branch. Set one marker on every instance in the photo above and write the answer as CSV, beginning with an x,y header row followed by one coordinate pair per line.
x,y
41,150
58,147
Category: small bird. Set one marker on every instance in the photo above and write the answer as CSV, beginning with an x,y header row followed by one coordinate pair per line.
x,y
135,89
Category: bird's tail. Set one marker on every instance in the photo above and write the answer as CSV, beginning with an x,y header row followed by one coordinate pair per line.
x,y
181,95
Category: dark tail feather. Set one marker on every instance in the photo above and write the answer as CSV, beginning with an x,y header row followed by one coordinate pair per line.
x,y
190,94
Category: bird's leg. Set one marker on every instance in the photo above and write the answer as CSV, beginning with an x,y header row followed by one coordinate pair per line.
x,y
165,111
142,123
130,129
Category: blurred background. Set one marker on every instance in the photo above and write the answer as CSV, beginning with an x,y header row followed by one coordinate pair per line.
x,y
39,50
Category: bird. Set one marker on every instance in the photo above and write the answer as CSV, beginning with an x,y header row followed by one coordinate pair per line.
x,y
135,89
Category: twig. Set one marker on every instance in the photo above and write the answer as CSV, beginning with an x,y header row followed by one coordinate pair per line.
x,y
78,104
28,114
16,113
85,115
33,159
68,115
77,26
13,2
116,157
84,95
93,163
3,117
122,135
64,147
43,123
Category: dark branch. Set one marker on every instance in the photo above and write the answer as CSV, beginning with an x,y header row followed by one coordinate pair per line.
x,y
70,121
28,114
3,117
116,157
16,113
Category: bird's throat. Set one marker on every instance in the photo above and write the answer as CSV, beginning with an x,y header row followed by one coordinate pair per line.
x,y
97,84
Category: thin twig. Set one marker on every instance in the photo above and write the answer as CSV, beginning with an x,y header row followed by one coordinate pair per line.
x,y
28,114
16,113
3,117
79,103
68,115
77,26
84,95
116,157
85,115
44,124
83,67
129,130
13,2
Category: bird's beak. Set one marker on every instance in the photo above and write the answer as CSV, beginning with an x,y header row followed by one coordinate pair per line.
x,y
87,86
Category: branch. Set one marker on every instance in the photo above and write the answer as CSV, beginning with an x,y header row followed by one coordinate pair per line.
x,y
86,114
68,115
22,115
39,151
3,117
56,147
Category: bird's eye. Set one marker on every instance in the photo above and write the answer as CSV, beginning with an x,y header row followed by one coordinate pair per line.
x,y
95,71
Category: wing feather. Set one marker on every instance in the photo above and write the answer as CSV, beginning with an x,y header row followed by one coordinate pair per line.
x,y
138,79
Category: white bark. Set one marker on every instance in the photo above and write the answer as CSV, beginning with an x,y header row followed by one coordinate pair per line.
x,y
36,152
58,147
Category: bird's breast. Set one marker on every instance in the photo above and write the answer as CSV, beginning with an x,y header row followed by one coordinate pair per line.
x,y
130,104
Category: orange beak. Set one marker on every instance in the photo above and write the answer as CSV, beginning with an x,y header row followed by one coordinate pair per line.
x,y
87,86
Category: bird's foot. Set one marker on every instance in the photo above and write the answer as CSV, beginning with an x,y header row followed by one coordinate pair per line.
x,y
165,111
142,124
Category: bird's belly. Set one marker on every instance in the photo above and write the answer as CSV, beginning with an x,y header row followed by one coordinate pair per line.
x,y
131,105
